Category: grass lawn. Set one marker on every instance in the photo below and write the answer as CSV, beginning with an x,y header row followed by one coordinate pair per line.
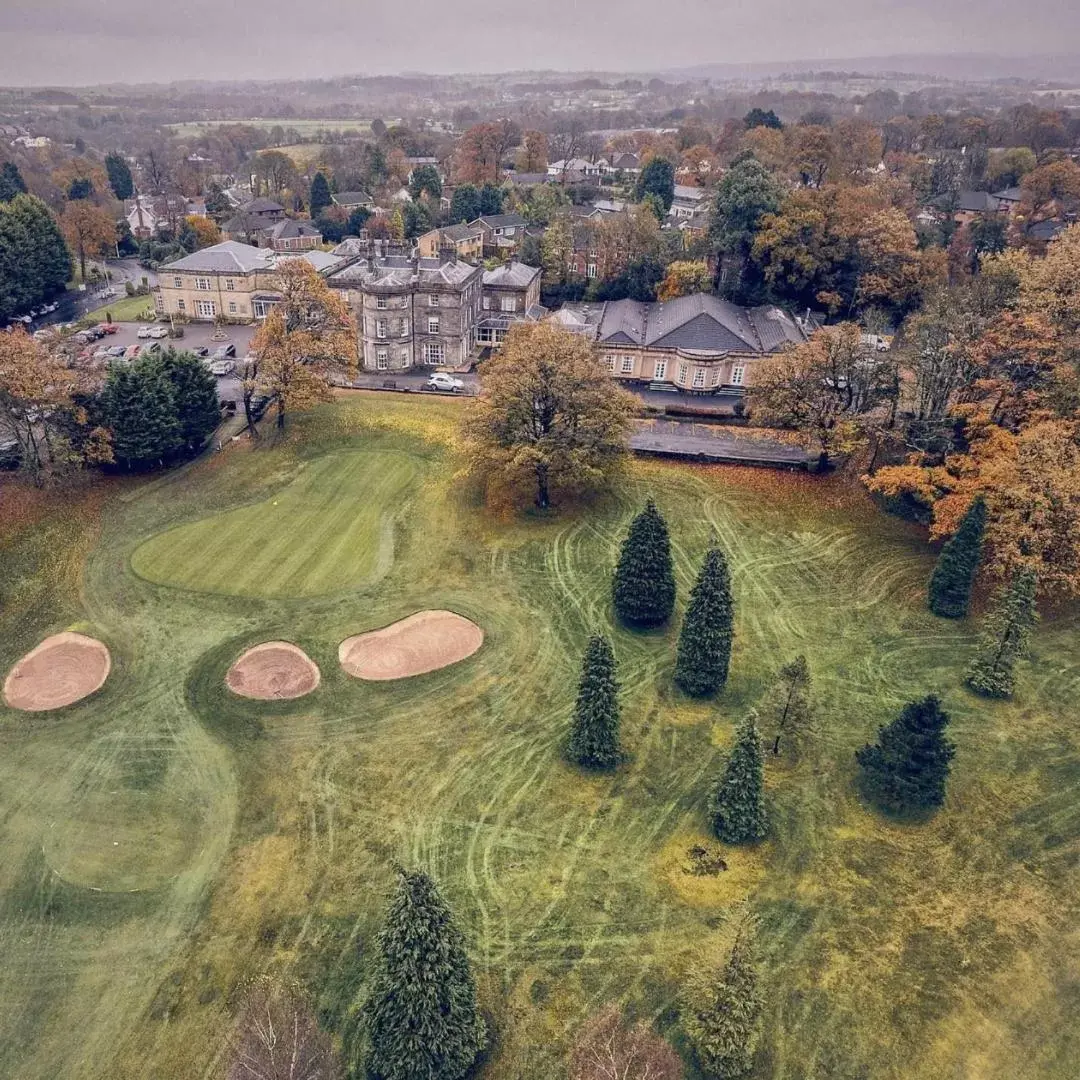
x,y
122,309
303,126
164,840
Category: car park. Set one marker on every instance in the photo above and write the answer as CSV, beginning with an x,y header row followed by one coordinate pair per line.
x,y
200,350
444,382
132,352
102,353
109,327
117,350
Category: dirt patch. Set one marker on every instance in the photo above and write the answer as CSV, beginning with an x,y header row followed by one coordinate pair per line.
x,y
423,642
63,669
273,671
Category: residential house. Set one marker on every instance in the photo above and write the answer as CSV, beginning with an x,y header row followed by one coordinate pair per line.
x,y
627,164
265,210
230,281
501,232
289,235
511,293
411,311
147,215
974,204
350,200
463,241
525,180
696,343
1009,199
687,201
563,168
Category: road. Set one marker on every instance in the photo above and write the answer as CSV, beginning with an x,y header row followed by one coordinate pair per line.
x,y
75,304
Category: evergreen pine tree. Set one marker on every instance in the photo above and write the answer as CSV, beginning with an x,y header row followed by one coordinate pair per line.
x,y
704,653
954,574
123,187
594,733
195,397
319,197
422,1017
644,588
793,700
34,261
906,770
1006,632
722,1012
737,809
140,411
11,182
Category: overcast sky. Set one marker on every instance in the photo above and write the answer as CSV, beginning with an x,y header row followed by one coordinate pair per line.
x,y
73,42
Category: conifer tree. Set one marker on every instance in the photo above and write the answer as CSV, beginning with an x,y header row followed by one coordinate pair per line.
x,y
319,197
140,410
594,734
957,565
722,1011
422,1017
737,809
123,187
906,770
792,700
195,397
704,653
11,182
1006,632
644,588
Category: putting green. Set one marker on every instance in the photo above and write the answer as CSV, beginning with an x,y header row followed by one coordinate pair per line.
x,y
331,528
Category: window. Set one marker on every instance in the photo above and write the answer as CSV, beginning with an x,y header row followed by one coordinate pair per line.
x,y
404,358
590,270
627,365
433,325
485,335
178,283
261,308
487,303
699,377
380,303
737,374
433,300
203,284
180,305
715,380
508,303
382,359
404,327
230,284
380,328
232,308
610,362
205,309
660,370
682,373
434,353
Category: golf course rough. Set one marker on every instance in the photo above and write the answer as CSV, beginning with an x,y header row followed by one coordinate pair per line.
x,y
63,669
330,528
423,642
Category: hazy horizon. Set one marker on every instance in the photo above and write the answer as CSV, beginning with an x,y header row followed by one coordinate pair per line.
x,y
86,42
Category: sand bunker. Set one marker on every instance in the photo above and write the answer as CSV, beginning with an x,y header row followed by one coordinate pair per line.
x,y
63,669
426,641
273,671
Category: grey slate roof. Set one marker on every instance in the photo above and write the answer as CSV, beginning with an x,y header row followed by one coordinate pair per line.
x,y
263,206
511,275
459,232
500,221
288,229
699,323
397,271
1009,194
529,178
351,198
977,202
225,257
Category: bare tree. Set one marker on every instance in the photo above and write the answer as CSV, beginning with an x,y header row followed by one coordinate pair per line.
x,y
277,1038
608,1049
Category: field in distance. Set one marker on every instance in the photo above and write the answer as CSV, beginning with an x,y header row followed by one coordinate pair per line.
x,y
303,126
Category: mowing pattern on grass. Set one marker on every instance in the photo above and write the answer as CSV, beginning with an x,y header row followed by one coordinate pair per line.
x,y
423,642
890,951
63,669
331,528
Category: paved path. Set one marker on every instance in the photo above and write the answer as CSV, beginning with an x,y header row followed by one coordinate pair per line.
x,y
671,438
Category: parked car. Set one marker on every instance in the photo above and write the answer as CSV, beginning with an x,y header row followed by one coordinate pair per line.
x,y
222,367
117,350
102,353
132,352
108,327
200,350
145,332
159,332
153,347
225,352
444,382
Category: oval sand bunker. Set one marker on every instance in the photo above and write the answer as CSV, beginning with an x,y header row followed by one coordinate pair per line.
x,y
63,669
423,642
273,671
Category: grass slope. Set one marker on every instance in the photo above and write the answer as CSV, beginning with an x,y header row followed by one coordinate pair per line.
x,y
268,832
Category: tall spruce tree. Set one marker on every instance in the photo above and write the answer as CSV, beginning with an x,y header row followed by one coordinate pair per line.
x,y
722,1011
139,406
737,807
1006,633
906,770
644,588
704,653
422,1017
319,198
594,733
957,565
195,397
123,187
792,698
11,182
34,260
